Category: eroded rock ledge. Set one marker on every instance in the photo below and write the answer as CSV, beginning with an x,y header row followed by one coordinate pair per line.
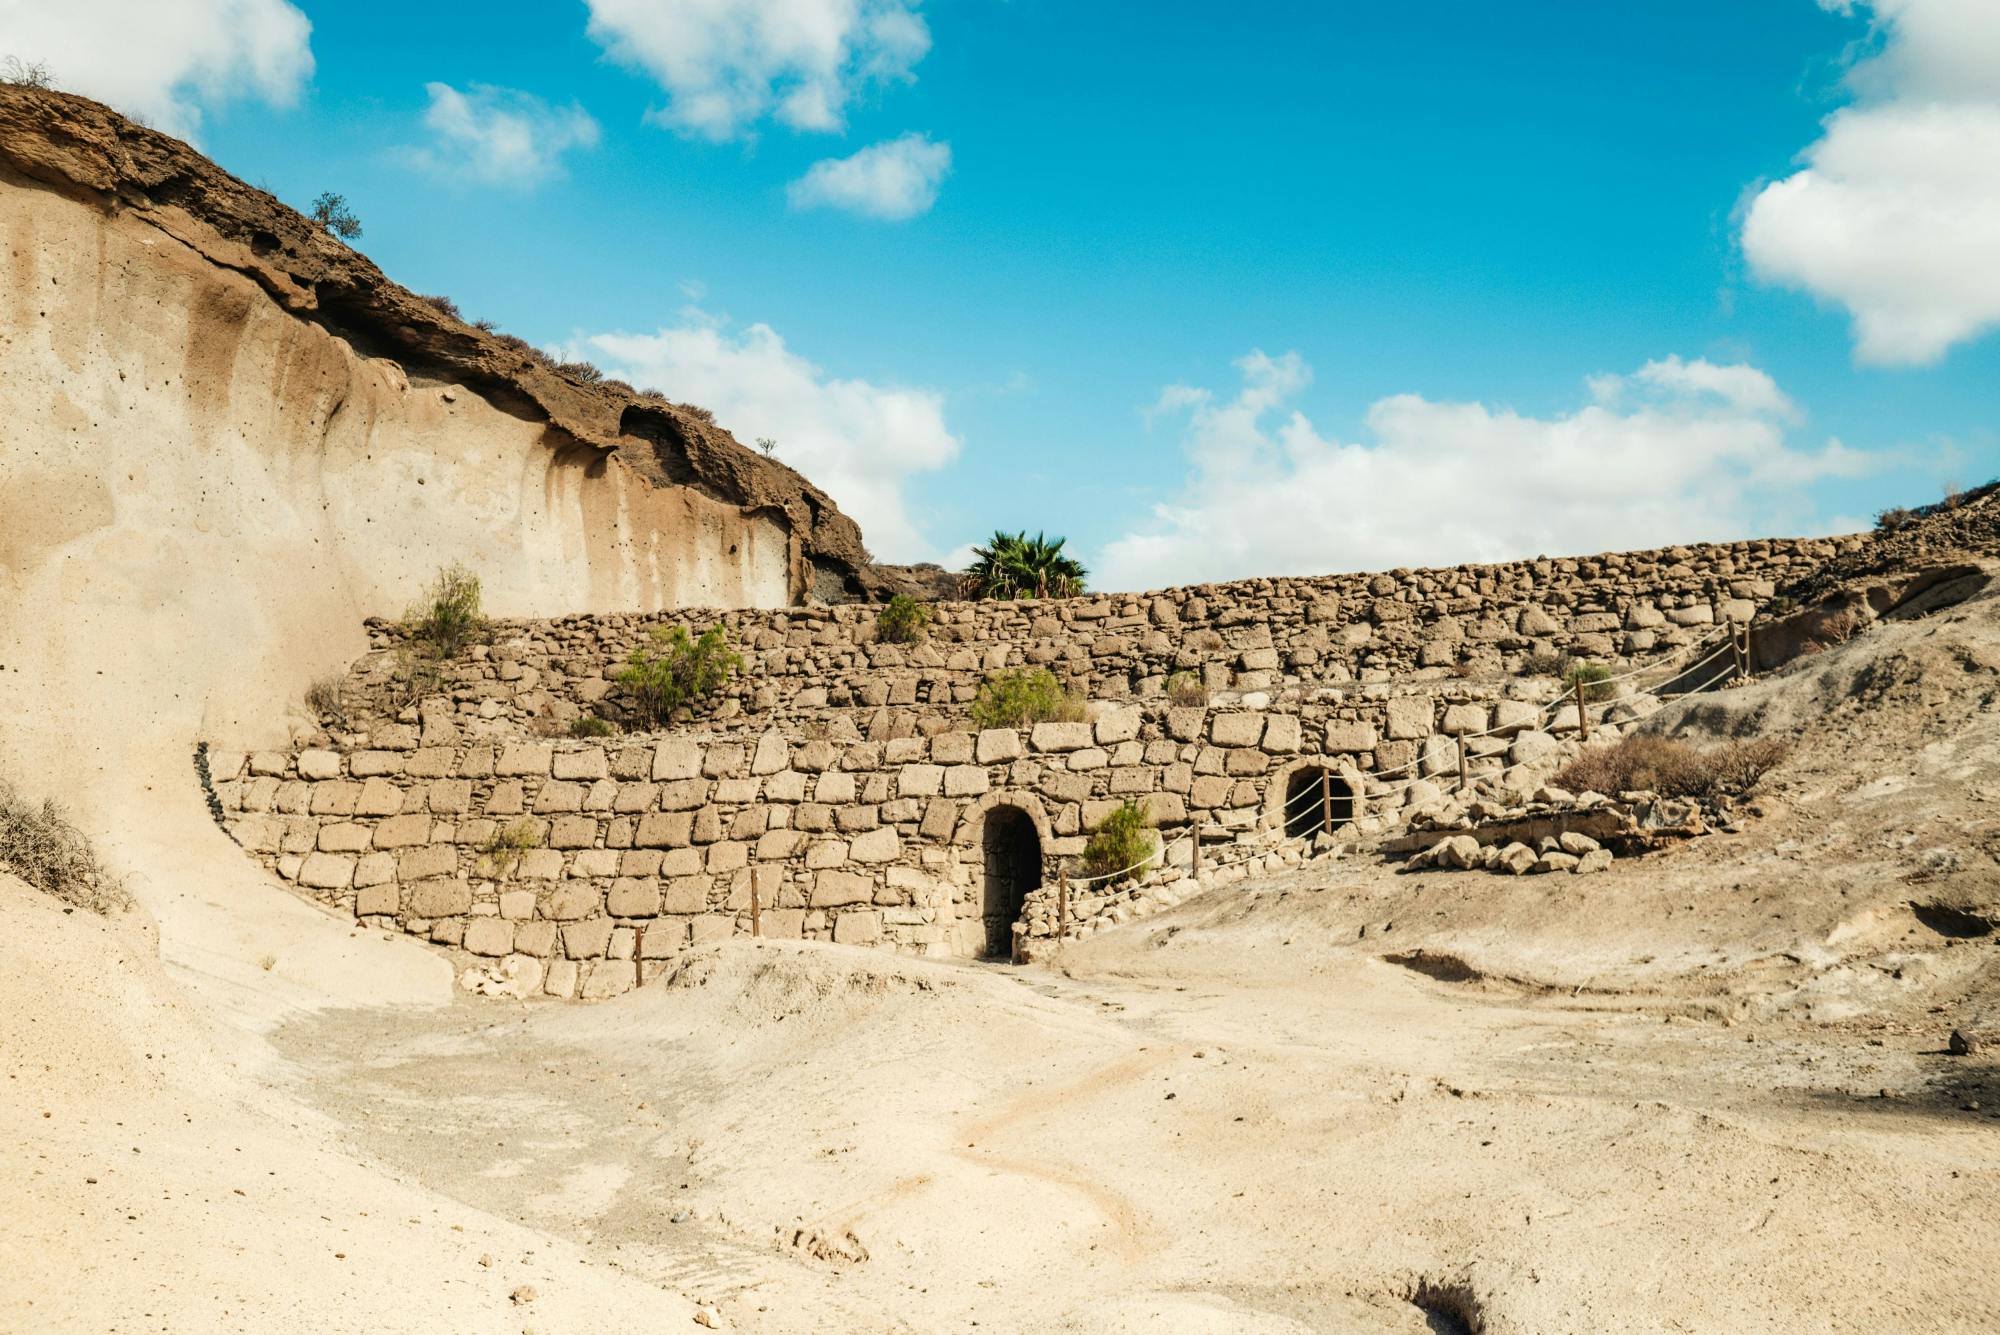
x,y
84,150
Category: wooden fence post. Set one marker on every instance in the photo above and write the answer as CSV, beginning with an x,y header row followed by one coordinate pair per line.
x,y
1461,763
1062,902
1197,847
756,909
1582,715
1326,801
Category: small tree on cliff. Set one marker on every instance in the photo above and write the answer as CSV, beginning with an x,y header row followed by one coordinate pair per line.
x,y
331,212
1014,565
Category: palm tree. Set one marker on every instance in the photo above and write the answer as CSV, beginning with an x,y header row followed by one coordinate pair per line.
x,y
1013,565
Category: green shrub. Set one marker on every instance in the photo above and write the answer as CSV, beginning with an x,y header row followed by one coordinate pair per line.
x,y
902,620
331,212
504,848
1122,843
448,620
1594,678
1023,696
677,671
591,725
1185,689
41,846
1642,762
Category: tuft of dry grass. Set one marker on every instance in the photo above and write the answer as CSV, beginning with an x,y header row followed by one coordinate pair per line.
x,y
1186,690
1543,663
40,845
326,699
1640,762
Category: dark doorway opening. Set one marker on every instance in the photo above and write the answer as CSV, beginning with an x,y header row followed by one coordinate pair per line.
x,y
1316,799
1013,870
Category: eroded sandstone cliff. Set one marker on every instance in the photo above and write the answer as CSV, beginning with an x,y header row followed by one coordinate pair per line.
x,y
85,152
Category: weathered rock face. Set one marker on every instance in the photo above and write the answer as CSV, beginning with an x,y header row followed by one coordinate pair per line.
x,y
128,174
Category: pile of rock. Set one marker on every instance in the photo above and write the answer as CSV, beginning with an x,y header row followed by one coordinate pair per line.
x,y
1554,831
1578,854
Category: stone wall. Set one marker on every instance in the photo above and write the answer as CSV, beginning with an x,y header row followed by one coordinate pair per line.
x,y
840,791
587,863
1280,637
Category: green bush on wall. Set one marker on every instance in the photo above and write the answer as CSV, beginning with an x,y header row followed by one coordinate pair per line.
x,y
676,671
1023,696
902,620
1594,678
1121,843
448,619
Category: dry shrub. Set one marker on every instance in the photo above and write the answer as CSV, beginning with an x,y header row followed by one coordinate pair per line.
x,y
1641,762
326,699
1544,663
443,305
41,846
1185,690
1836,629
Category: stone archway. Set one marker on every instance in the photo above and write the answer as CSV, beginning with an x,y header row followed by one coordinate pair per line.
x,y
1314,797
1013,871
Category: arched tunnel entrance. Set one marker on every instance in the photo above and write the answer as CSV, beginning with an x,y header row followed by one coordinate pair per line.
x,y
1316,799
1013,871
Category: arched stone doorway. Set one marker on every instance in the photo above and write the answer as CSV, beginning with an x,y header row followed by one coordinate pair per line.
x,y
1013,871
1308,792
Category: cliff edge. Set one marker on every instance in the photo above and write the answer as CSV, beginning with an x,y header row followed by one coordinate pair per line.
x,y
85,150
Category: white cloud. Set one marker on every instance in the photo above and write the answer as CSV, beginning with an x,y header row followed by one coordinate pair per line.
x,y
893,180
499,136
1896,214
726,64
860,442
1742,387
164,61
1677,451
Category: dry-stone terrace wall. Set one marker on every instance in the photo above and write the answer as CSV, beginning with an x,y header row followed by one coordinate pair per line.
x,y
1263,635
840,791
587,863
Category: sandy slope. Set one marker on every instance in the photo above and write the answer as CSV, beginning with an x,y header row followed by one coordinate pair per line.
x,y
151,1187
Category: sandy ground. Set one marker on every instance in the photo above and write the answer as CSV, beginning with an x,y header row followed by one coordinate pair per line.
x,y
1705,1091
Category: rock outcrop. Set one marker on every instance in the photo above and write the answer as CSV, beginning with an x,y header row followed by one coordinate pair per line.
x,y
88,152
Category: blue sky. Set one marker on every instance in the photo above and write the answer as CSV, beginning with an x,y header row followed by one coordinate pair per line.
x,y
1212,290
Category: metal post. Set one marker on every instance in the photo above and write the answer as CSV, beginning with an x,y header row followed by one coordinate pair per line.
x,y
1461,763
